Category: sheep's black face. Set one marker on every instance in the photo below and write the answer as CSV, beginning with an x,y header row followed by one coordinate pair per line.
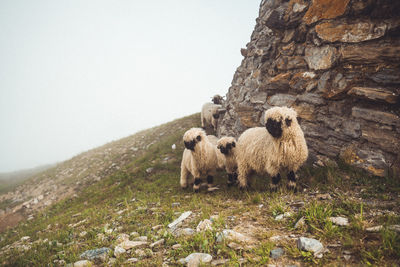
x,y
274,128
225,149
191,144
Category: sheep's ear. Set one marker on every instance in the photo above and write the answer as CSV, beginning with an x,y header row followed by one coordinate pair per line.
x,y
288,122
198,138
233,144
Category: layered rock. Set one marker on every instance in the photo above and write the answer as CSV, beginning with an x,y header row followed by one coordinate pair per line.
x,y
337,63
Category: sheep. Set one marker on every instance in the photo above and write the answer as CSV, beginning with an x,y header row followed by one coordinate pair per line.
x,y
217,99
210,114
227,147
278,146
199,158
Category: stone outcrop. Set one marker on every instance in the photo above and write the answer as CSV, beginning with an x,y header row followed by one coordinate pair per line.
x,y
337,63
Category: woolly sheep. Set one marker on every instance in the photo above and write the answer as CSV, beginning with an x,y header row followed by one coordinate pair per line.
x,y
209,115
227,148
278,146
199,158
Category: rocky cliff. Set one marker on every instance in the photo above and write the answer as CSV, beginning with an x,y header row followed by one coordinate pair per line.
x,y
337,63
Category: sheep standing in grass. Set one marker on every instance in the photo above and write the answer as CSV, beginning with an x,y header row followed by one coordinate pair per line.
x,y
279,146
199,158
227,148
210,114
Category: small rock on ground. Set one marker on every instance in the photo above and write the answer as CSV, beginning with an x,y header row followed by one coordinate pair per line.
x,y
100,254
309,244
276,253
195,259
83,263
181,218
341,221
204,226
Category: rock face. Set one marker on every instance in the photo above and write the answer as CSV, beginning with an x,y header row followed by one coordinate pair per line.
x,y
336,62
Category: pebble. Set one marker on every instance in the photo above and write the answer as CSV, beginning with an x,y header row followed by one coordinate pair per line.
x,y
131,260
133,244
181,218
341,221
309,244
347,257
100,254
175,204
279,217
83,263
25,238
176,246
231,235
158,243
118,251
204,226
300,223
134,234
157,227
212,189
219,262
276,253
83,234
195,259
173,146
121,238
141,238
149,170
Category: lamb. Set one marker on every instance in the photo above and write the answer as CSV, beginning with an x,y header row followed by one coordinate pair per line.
x,y
278,146
210,114
227,147
199,158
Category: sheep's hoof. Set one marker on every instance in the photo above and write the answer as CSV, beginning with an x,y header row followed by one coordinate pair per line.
x,y
273,189
196,190
243,188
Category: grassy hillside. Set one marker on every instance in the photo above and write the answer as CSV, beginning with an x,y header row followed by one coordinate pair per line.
x,y
143,196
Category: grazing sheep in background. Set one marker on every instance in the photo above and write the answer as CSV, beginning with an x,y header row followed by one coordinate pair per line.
x,y
209,115
227,148
280,145
199,158
217,99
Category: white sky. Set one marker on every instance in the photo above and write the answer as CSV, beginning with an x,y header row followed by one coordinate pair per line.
x,y
77,74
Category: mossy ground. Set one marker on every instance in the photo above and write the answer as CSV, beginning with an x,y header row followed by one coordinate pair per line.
x,y
133,199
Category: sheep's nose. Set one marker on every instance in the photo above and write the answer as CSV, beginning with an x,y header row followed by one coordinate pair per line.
x,y
274,128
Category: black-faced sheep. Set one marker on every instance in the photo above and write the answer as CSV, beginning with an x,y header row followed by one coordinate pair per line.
x,y
227,148
199,158
210,114
278,146
217,99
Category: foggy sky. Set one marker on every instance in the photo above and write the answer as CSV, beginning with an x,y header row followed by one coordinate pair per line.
x,y
77,74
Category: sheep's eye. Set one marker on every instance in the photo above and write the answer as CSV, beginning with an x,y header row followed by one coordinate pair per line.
x,y
233,144
198,138
288,122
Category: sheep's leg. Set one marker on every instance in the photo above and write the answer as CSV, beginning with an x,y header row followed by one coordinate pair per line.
x,y
210,181
203,123
275,181
292,181
184,177
196,185
242,177
232,178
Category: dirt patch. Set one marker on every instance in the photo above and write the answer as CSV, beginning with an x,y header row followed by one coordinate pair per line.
x,y
10,220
